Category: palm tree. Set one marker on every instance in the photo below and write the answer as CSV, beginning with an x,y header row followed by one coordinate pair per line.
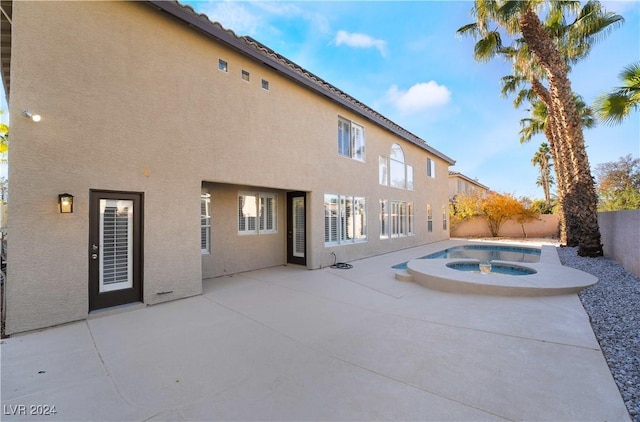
x,y
542,159
540,121
614,107
552,47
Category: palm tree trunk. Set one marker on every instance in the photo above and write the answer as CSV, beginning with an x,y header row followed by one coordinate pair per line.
x,y
580,195
562,165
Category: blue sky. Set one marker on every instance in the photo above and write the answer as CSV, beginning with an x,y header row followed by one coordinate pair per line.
x,y
404,60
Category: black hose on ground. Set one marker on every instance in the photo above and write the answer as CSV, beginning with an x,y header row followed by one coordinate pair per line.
x,y
340,265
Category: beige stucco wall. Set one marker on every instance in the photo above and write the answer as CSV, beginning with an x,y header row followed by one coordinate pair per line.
x,y
545,226
133,101
620,232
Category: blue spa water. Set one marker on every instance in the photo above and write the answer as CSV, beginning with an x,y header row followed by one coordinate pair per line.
x,y
483,253
495,269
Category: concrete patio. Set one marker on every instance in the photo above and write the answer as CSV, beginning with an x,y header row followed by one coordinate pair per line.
x,y
287,344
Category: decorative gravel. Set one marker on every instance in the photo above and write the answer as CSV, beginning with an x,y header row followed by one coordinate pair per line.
x,y
613,305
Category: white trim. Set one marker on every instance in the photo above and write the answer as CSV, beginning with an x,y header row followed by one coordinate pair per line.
x,y
115,244
259,215
431,168
226,65
355,140
341,224
401,219
205,224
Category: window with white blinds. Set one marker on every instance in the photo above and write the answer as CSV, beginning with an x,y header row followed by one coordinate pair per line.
x,y
257,213
345,219
298,227
205,223
396,219
116,244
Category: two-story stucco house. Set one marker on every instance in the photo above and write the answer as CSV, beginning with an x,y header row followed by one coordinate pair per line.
x,y
459,183
189,153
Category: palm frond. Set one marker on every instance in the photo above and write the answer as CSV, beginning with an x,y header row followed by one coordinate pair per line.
x,y
630,76
507,15
612,108
470,29
524,95
593,23
488,47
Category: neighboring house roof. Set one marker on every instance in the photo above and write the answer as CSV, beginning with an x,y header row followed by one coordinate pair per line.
x,y
468,179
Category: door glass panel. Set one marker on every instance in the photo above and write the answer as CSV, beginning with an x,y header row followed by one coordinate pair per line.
x,y
298,227
116,244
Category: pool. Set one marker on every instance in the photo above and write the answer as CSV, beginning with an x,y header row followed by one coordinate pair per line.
x,y
489,253
483,253
494,269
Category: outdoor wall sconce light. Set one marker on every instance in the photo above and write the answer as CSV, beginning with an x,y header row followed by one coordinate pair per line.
x,y
30,115
65,201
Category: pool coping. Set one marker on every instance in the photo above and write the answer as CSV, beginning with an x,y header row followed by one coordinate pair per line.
x,y
551,277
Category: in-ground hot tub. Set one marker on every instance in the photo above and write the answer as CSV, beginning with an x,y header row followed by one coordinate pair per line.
x,y
526,272
487,268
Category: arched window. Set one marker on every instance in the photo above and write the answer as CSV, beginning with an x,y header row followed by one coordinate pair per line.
x,y
393,170
397,153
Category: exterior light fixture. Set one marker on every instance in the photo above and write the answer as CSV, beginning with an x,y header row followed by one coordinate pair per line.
x,y
65,202
30,115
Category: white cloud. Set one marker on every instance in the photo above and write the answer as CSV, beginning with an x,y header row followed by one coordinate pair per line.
x,y
361,41
421,96
234,16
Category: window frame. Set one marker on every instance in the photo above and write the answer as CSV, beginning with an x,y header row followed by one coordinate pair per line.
x,y
223,65
401,219
344,137
263,223
410,219
431,168
383,170
384,219
429,218
351,139
205,223
386,165
357,142
359,219
444,217
341,213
